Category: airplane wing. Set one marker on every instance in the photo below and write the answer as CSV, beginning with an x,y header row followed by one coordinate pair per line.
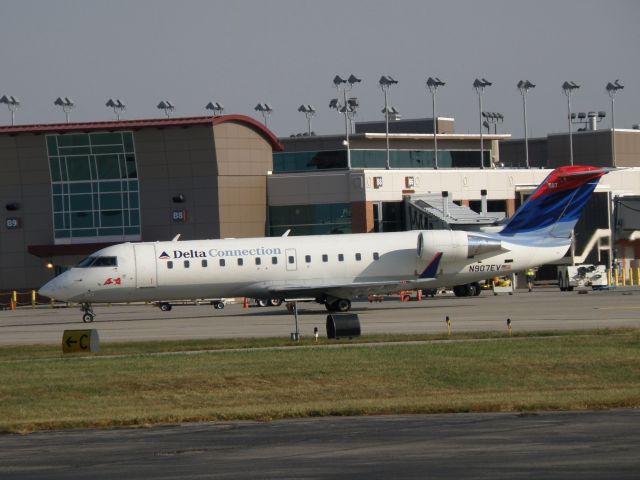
x,y
346,290
356,288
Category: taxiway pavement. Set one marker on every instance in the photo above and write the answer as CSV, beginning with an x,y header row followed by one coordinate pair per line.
x,y
539,310
567,445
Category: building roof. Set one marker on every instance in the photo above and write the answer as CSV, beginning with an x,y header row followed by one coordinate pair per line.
x,y
145,123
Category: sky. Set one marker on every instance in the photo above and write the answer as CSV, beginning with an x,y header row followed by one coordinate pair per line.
x,y
286,53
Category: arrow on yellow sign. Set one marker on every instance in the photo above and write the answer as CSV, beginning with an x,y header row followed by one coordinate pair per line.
x,y
74,341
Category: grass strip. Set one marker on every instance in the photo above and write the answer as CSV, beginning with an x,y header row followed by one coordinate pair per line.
x,y
543,372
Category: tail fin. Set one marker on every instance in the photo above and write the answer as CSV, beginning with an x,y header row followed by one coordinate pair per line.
x,y
555,206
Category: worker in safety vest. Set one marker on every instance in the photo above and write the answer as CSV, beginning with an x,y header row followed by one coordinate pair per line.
x,y
531,274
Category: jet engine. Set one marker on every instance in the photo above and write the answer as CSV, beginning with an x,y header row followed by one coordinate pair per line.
x,y
455,244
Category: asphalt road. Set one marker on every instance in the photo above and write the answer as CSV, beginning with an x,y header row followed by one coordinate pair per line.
x,y
586,445
540,310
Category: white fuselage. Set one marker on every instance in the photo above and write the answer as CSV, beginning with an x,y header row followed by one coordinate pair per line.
x,y
258,267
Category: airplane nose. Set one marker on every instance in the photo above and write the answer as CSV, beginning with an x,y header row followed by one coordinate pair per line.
x,y
48,289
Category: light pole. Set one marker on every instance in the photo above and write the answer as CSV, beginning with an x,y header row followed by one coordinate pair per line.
x,y
346,106
215,107
612,89
568,89
117,105
432,85
309,112
67,105
385,83
479,85
12,104
353,104
167,106
266,111
524,86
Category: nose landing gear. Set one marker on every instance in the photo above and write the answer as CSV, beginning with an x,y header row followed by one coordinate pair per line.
x,y
88,315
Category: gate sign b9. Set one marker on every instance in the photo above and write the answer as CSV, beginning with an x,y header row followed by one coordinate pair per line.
x,y
12,223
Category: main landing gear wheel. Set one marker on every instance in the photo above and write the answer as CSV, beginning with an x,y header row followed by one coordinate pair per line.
x,y
340,305
262,303
88,315
275,302
218,305
165,307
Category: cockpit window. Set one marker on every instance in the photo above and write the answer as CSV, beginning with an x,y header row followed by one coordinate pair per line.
x,y
98,262
86,262
105,262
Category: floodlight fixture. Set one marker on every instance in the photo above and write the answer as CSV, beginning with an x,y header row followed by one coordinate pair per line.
x,y
479,85
493,118
13,104
338,80
612,90
387,80
352,80
216,107
568,87
265,110
167,106
66,104
309,112
433,83
117,105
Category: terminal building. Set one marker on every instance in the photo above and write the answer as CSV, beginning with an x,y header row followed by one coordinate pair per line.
x,y
67,190
70,189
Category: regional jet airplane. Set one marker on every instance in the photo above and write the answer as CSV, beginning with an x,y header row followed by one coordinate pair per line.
x,y
333,269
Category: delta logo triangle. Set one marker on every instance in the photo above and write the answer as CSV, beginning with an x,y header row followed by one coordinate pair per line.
x,y
164,256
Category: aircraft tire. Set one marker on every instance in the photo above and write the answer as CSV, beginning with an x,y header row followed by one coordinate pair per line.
x,y
218,305
261,303
477,290
460,290
275,302
341,305
561,283
87,318
165,307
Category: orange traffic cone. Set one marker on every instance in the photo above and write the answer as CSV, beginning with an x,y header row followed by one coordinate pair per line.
x,y
245,303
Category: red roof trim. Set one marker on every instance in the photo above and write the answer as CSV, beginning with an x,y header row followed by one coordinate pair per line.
x,y
252,122
145,123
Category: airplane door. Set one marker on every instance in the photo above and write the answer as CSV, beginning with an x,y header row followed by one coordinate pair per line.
x,y
146,274
292,261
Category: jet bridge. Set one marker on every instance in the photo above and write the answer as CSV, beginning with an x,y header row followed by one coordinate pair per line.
x,y
434,211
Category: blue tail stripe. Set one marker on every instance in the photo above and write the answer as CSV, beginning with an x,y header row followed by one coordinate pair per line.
x,y
563,206
432,269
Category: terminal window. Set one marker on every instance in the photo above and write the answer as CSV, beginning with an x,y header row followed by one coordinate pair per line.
x,y
94,186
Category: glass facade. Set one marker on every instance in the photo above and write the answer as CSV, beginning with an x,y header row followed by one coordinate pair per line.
x,y
94,186
337,159
306,161
310,219
388,216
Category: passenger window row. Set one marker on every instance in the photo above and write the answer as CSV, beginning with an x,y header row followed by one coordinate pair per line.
x,y
274,260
